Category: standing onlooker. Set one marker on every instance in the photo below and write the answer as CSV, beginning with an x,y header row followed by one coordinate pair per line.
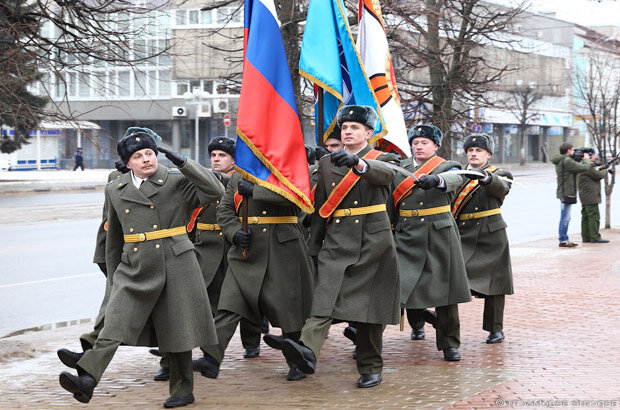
x,y
79,159
566,169
589,186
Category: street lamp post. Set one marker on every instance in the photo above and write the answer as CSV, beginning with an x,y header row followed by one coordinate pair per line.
x,y
197,97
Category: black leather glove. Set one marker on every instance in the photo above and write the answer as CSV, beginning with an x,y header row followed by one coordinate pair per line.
x,y
310,156
343,159
174,157
320,152
242,238
103,268
246,188
428,181
121,167
483,179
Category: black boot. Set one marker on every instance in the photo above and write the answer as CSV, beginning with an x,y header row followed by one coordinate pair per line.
x,y
300,355
81,386
69,358
207,366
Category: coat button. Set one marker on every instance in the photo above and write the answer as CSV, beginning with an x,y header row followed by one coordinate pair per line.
x,y
217,202
354,202
130,229
477,223
264,229
221,233
421,219
476,208
157,246
135,249
126,211
462,223
357,221
337,221
264,212
154,226
403,204
404,219
160,180
421,203
333,184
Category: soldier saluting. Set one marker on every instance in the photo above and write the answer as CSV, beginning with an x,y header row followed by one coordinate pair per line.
x,y
350,233
432,269
157,294
483,233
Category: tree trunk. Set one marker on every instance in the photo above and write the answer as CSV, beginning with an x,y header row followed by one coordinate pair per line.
x,y
522,146
607,210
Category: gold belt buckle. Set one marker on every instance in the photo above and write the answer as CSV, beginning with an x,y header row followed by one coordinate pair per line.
x,y
347,211
141,237
469,216
415,212
255,219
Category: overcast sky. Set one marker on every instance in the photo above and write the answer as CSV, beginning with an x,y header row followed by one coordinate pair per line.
x,y
584,12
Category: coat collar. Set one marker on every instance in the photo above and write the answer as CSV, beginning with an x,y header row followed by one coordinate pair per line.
x,y
149,188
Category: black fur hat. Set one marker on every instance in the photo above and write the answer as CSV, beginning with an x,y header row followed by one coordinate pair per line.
x,y
335,134
223,144
483,141
425,131
135,139
363,114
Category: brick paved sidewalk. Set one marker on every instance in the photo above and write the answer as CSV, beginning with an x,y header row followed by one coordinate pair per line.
x,y
560,349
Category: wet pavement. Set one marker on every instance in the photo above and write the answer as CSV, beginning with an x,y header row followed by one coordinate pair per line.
x,y
560,351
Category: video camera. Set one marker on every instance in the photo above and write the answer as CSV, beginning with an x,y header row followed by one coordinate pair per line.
x,y
578,153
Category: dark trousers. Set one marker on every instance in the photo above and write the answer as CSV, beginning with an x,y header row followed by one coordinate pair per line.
x,y
414,317
493,317
369,342
96,360
225,325
590,223
448,327
250,333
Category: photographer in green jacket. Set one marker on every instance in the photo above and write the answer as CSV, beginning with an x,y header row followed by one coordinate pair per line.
x,y
589,187
566,169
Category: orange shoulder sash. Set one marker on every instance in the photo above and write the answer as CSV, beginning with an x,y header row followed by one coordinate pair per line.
x,y
404,188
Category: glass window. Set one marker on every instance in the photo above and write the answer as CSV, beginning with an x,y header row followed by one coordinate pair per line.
x,y
84,85
59,86
139,50
140,86
151,80
123,84
182,88
193,16
206,17
72,84
100,84
181,17
207,85
164,57
163,22
164,83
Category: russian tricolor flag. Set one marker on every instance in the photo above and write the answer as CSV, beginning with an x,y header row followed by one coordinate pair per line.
x,y
270,150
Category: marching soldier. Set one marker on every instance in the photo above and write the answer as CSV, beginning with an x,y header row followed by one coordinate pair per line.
x,y
432,269
212,246
476,209
351,237
274,281
157,292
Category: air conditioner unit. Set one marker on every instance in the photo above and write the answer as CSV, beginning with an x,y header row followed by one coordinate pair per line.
x,y
204,111
220,105
179,111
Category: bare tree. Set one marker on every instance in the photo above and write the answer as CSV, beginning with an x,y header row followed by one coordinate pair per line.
x,y
598,100
46,39
449,55
523,97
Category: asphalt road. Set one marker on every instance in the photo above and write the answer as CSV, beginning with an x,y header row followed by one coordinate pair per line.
x,y
47,242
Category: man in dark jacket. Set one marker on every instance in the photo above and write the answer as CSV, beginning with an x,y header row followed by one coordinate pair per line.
x,y
566,169
476,209
351,238
589,186
157,294
79,159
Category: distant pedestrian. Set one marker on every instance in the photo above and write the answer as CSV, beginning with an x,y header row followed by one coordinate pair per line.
x,y
79,159
545,151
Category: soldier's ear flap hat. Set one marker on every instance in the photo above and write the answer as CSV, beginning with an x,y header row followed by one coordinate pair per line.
x,y
358,113
483,141
426,131
135,139
223,144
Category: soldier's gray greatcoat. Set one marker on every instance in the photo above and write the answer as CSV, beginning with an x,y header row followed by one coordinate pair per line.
x,y
484,240
431,262
276,279
358,267
158,295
